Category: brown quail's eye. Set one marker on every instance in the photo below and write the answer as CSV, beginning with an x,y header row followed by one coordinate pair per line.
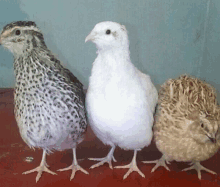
x,y
17,32
108,32
202,125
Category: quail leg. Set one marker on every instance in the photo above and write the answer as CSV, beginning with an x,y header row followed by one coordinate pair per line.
x,y
161,162
198,167
107,159
132,167
43,167
75,166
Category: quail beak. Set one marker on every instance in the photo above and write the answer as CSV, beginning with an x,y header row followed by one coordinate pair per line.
x,y
90,37
212,138
0,41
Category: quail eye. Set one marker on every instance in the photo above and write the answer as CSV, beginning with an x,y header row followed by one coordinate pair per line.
x,y
17,32
202,125
108,31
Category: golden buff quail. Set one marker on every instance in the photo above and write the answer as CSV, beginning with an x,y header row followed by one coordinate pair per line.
x,y
187,123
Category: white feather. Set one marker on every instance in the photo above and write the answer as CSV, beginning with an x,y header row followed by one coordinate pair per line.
x,y
120,99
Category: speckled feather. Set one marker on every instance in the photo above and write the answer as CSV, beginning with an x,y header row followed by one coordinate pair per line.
x,y
49,99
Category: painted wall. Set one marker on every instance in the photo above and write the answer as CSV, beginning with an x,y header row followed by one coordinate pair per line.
x,y
167,38
9,11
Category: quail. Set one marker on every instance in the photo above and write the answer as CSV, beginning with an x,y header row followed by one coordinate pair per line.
x,y
187,123
120,99
49,100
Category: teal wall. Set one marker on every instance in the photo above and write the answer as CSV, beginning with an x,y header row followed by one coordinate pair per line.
x,y
167,37
9,11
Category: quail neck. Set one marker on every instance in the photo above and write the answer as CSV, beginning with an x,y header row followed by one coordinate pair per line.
x,y
26,42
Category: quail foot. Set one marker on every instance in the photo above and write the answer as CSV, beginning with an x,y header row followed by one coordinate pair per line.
x,y
187,123
161,162
120,99
48,98
108,159
74,167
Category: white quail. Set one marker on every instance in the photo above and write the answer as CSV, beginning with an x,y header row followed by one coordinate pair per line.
x,y
120,99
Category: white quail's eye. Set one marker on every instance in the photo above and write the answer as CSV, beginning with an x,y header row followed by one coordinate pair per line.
x,y
108,31
17,32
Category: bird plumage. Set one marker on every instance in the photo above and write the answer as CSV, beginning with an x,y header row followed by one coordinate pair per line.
x,y
120,100
49,99
187,122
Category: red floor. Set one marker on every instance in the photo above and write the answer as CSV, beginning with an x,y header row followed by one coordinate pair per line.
x,y
13,152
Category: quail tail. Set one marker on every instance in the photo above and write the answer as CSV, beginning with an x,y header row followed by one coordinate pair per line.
x,y
107,159
161,162
198,167
132,167
43,167
74,167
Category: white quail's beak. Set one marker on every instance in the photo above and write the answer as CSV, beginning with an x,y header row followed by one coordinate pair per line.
x,y
90,37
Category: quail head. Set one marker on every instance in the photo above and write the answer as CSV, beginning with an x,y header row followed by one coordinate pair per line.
x,y
187,123
49,99
120,100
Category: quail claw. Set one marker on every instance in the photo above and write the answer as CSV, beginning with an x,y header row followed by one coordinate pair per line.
x,y
107,159
132,167
161,162
39,169
198,167
74,169
43,167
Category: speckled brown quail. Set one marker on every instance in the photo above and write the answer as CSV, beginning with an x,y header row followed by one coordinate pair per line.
x,y
49,99
187,123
